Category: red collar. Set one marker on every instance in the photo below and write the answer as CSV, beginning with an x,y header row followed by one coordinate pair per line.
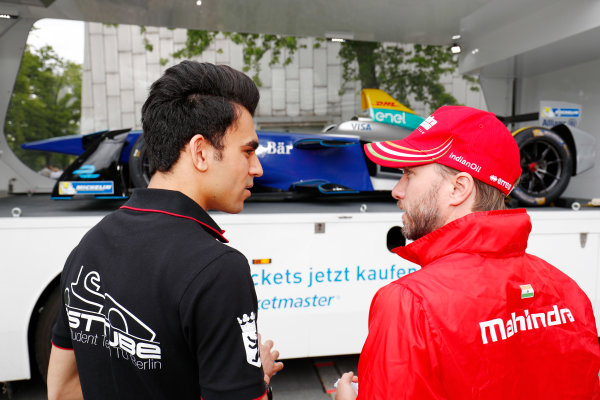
x,y
494,233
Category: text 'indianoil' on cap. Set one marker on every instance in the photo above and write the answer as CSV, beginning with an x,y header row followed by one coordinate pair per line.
x,y
463,138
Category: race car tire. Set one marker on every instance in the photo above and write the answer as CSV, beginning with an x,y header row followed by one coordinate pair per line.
x,y
43,331
546,164
139,170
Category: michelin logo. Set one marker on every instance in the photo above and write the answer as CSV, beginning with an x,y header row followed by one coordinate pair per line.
x,y
556,112
81,187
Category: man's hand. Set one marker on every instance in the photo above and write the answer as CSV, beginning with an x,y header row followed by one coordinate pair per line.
x,y
345,391
269,357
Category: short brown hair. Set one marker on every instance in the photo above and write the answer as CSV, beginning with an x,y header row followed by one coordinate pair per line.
x,y
487,197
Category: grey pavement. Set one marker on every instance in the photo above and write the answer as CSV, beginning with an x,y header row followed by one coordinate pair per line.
x,y
301,379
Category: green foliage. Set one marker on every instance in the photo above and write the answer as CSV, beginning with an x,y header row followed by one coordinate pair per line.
x,y
405,72
196,43
402,71
363,55
474,81
147,45
255,46
46,102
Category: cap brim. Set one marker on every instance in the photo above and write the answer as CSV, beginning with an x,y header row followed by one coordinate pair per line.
x,y
399,153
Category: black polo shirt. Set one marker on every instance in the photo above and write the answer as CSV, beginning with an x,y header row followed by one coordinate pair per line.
x,y
155,306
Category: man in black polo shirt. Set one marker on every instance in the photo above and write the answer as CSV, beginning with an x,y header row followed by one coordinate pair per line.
x,y
155,305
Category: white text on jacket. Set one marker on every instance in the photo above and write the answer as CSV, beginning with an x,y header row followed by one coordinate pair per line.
x,y
524,322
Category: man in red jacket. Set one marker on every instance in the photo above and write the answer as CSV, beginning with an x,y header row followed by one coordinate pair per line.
x,y
481,319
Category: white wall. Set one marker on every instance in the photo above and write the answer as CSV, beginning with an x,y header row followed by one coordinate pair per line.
x,y
118,72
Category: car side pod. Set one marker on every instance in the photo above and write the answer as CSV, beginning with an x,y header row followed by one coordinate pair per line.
x,y
322,186
97,171
317,143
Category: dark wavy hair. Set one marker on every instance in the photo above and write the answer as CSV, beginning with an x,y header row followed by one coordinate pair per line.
x,y
193,98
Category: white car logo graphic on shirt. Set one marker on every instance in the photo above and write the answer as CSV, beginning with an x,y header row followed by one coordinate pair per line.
x,y
87,307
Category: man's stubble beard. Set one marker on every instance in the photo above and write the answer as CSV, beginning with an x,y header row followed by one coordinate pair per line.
x,y
424,216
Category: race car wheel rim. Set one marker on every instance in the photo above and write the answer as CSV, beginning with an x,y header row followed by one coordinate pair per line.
x,y
542,167
139,166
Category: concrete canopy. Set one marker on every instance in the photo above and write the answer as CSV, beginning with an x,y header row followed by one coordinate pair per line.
x,y
408,21
517,39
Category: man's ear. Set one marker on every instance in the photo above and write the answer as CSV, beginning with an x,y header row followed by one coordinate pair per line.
x,y
463,188
199,150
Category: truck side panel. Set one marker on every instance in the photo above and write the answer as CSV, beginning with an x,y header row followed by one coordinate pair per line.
x,y
314,273
34,251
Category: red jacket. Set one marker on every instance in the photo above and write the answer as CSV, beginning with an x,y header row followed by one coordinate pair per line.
x,y
481,320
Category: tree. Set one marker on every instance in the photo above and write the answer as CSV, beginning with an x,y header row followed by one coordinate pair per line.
x,y
254,47
46,102
403,71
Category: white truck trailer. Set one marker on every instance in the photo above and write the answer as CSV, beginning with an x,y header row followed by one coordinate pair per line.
x,y
315,266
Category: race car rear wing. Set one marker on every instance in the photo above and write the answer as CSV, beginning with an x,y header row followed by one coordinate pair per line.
x,y
519,118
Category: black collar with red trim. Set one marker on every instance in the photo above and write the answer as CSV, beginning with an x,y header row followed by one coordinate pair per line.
x,y
174,203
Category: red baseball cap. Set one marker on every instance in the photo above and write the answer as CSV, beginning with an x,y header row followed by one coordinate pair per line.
x,y
463,138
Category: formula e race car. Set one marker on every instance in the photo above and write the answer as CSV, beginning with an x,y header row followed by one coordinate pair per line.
x,y
331,163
